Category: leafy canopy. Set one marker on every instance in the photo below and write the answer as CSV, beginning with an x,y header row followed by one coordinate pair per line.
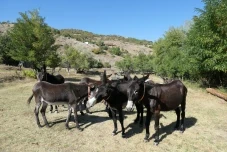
x,y
32,39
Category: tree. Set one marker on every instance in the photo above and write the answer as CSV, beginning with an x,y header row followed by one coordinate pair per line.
x,y
80,61
207,39
53,61
170,59
126,64
5,46
32,39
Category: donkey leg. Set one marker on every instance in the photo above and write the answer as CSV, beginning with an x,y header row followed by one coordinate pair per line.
x,y
84,105
108,110
43,110
138,113
114,117
51,108
178,118
68,118
81,108
147,124
121,119
182,118
36,111
76,116
141,117
156,127
56,109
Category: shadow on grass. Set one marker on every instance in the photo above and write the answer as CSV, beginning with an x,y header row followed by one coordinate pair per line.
x,y
164,131
84,120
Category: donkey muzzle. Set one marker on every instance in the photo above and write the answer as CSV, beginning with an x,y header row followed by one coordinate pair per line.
x,y
129,106
91,102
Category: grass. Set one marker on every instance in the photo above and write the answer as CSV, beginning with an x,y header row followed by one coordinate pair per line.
x,y
205,126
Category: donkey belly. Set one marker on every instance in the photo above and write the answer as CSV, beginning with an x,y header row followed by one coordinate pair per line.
x,y
53,102
172,104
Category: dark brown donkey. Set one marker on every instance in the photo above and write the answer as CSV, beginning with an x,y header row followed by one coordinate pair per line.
x,y
66,93
156,98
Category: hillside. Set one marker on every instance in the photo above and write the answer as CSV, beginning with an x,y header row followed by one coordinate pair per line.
x,y
87,42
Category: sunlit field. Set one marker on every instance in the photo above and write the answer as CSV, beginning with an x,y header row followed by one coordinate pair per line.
x,y
206,125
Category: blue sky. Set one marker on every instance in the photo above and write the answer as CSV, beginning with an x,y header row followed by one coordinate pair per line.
x,y
142,19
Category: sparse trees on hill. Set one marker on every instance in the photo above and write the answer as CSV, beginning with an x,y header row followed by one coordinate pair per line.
x,y
79,61
141,63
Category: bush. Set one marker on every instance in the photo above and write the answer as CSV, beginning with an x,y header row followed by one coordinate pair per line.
x,y
97,51
116,51
106,65
29,73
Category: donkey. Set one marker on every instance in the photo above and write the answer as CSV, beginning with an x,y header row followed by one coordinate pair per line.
x,y
156,98
57,79
66,93
115,94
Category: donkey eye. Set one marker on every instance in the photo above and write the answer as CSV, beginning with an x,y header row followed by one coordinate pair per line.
x,y
135,92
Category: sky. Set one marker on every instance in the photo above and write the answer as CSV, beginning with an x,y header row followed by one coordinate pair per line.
x,y
141,19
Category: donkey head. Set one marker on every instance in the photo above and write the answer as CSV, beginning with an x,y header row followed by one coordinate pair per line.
x,y
102,92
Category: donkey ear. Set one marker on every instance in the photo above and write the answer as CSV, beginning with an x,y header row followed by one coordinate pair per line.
x,y
146,77
135,78
108,76
104,79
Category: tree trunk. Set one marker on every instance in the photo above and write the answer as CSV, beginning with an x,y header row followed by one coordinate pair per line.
x,y
217,93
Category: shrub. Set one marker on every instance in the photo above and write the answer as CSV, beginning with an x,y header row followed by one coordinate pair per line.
x,y
29,73
97,51
106,65
116,51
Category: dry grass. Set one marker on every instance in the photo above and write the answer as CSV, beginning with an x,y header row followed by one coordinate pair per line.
x,y
206,126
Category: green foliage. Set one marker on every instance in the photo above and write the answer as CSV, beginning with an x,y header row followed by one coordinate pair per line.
x,y
126,64
80,61
32,39
140,63
97,51
207,39
5,47
29,73
143,63
116,51
106,65
93,63
85,36
170,53
53,60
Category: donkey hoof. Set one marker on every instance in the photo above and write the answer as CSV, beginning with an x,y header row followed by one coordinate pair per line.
x,y
156,143
176,128
114,133
123,135
80,129
39,126
67,127
55,111
145,140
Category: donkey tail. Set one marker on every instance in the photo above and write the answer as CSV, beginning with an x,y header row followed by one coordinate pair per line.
x,y
29,99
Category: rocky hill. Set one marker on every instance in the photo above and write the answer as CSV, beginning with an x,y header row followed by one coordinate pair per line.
x,y
87,42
